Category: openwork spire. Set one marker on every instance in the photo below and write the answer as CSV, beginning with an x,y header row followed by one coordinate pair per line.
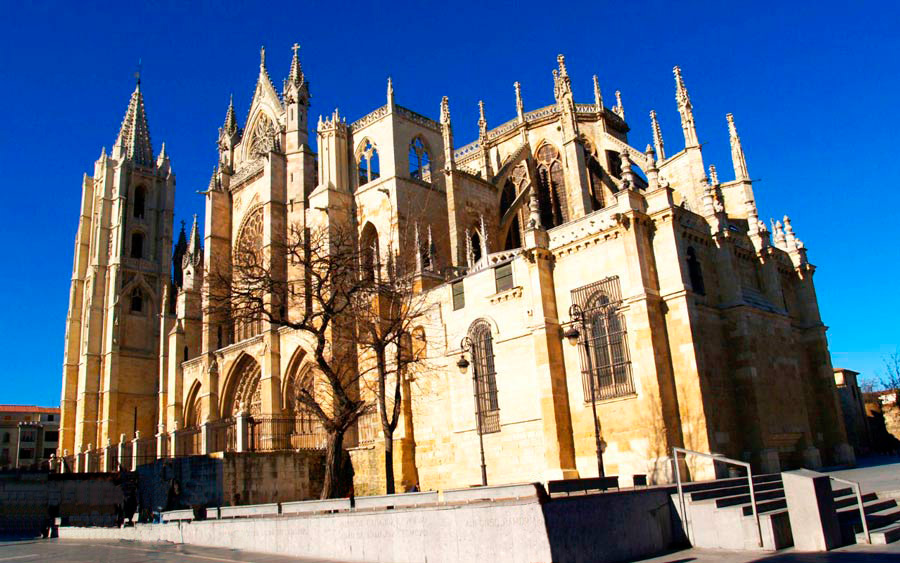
x,y
685,109
134,135
657,137
194,244
230,125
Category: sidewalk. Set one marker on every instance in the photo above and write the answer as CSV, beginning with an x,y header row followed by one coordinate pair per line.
x,y
850,554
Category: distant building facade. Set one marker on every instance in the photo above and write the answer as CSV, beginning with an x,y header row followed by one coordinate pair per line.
x,y
587,274
29,435
854,409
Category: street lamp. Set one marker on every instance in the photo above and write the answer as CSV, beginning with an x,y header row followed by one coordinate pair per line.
x,y
576,313
463,364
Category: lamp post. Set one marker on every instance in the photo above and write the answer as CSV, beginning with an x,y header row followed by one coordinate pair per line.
x,y
576,313
463,364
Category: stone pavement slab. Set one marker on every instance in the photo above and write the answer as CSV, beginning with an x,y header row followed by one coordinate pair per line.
x,y
91,551
876,474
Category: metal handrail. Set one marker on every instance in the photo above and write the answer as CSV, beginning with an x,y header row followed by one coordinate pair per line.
x,y
859,502
723,459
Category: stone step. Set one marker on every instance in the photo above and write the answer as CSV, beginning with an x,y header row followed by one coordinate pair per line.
x,y
745,498
729,482
881,536
735,490
765,506
850,500
869,507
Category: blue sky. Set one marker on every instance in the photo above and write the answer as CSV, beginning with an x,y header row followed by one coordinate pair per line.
x,y
813,87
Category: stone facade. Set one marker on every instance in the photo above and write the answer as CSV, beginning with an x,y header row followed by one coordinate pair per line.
x,y
559,263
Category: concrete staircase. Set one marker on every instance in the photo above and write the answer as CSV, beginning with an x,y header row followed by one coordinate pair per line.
x,y
718,514
882,517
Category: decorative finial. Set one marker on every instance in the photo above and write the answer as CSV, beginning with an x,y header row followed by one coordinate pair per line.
x,y
137,74
713,175
482,122
619,109
657,137
737,151
685,109
445,110
598,96
561,60
520,107
390,92
262,56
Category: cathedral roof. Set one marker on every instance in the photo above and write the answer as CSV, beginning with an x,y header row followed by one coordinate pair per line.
x,y
134,135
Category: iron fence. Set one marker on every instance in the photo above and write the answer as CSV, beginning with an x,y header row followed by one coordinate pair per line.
x,y
143,451
188,441
222,435
273,433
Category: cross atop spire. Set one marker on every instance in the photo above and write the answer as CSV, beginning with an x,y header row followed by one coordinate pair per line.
x,y
296,73
133,141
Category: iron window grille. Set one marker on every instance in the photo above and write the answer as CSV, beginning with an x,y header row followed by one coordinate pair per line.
x,y
488,412
603,341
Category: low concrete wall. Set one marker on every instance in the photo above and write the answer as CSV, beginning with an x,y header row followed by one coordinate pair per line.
x,y
603,528
28,501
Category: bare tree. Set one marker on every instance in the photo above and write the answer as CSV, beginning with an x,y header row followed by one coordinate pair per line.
x,y
310,283
357,315
890,377
391,347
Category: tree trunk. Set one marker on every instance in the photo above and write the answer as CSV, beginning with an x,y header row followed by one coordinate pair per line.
x,y
334,457
389,460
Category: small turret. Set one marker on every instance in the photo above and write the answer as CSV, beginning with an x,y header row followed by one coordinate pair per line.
x,y
296,102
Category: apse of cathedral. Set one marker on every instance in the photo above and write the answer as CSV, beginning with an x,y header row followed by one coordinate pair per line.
x,y
610,302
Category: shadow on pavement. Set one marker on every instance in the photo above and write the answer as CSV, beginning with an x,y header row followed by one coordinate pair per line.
x,y
831,557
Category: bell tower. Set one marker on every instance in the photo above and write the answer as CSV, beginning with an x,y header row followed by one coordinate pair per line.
x,y
122,264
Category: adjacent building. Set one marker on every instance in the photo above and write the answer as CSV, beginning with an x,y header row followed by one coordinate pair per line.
x,y
29,435
599,293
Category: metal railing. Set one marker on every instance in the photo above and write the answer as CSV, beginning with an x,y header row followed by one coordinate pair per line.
x,y
722,459
859,502
188,441
222,435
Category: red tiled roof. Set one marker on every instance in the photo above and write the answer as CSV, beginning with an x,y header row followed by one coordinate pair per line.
x,y
29,409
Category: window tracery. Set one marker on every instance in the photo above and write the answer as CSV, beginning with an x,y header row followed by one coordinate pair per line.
x,y
551,187
419,160
248,254
247,394
263,138
367,161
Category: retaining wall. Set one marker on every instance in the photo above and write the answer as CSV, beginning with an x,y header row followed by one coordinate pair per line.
x,y
610,527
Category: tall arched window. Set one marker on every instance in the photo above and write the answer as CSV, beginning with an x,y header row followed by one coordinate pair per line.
x,y
137,301
137,245
552,187
419,161
594,174
369,252
485,377
603,341
140,199
513,234
475,245
695,272
367,159
246,307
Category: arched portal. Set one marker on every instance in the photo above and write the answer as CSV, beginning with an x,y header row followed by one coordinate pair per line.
x,y
244,392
